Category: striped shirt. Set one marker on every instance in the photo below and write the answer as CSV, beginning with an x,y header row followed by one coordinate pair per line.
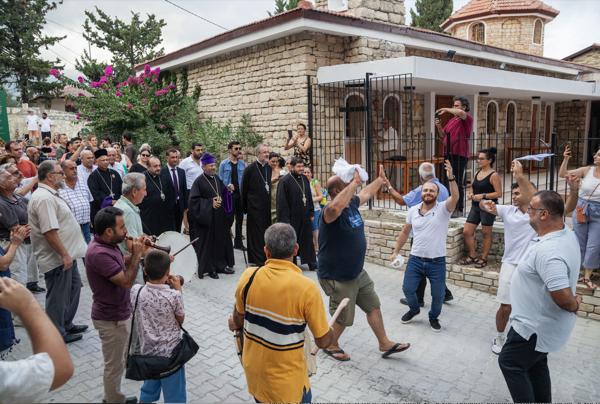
x,y
281,302
79,200
83,173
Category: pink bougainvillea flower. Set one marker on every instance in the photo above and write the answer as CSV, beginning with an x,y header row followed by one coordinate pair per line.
x,y
130,106
81,95
147,69
144,100
80,79
95,84
108,71
78,116
103,80
118,86
88,119
143,91
105,117
164,126
171,86
155,80
121,109
55,73
118,94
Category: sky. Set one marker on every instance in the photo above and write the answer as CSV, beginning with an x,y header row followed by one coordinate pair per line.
x,y
575,27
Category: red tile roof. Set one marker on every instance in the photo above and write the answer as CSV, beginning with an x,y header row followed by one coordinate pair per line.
x,y
482,8
592,47
69,90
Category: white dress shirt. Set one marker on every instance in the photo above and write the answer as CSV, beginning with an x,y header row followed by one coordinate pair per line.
x,y
192,170
83,173
390,139
118,167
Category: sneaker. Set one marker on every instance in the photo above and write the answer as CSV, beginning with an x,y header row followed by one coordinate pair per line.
x,y
435,324
407,318
405,302
498,344
448,298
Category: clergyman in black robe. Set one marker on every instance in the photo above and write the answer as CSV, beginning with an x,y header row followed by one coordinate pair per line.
x,y
156,217
103,182
295,207
256,204
209,203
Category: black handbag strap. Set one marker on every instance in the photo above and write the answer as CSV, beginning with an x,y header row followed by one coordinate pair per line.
x,y
247,287
137,298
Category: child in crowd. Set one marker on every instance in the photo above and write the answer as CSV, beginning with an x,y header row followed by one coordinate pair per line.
x,y
159,313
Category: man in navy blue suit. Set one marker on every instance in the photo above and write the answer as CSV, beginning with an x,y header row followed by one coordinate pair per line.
x,y
176,191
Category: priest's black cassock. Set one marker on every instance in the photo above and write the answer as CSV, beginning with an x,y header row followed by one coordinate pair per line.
x,y
292,209
102,184
256,203
156,218
214,248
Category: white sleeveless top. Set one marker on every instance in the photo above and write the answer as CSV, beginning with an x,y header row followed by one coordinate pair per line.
x,y
588,183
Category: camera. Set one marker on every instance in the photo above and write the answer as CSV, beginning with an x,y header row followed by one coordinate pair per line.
x,y
43,155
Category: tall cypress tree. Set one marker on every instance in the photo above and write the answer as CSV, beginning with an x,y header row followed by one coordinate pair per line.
x,y
21,38
281,6
431,13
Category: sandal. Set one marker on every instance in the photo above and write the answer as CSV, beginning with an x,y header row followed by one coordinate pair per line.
x,y
468,261
394,350
589,282
481,264
338,352
581,279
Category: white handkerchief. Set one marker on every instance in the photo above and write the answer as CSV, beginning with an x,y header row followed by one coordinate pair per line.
x,y
535,157
345,171
398,262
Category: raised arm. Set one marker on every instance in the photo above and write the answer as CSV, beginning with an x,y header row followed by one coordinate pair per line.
x,y
579,172
306,146
77,153
27,188
370,190
289,143
453,200
340,202
526,187
489,206
394,194
571,203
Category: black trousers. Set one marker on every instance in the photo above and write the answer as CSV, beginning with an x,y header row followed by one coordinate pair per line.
x,y
238,216
525,370
421,290
177,217
458,163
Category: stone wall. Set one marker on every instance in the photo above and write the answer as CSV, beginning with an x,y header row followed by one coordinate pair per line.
x,y
385,11
591,58
515,33
61,121
569,123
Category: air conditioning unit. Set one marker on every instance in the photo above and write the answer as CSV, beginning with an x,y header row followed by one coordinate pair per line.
x,y
337,5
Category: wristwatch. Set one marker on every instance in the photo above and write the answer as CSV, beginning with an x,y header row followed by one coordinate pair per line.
x,y
453,179
483,196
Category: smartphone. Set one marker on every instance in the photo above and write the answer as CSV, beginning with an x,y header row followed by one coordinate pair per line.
x,y
19,140
86,138
437,116
290,134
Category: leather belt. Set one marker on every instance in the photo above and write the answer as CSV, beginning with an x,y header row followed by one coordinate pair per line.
x,y
428,259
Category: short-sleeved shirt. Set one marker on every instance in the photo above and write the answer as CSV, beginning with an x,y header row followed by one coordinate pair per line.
x,y
27,380
79,200
130,152
342,244
23,184
192,170
458,132
49,211
157,326
27,168
45,123
103,261
280,303
13,213
551,263
430,230
133,221
517,233
83,173
59,152
32,122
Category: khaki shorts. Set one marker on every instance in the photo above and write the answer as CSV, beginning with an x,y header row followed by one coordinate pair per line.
x,y
506,273
360,291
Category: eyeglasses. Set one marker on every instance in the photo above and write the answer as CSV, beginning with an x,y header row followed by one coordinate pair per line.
x,y
58,172
532,208
482,158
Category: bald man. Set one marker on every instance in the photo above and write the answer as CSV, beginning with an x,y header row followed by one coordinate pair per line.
x,y
87,165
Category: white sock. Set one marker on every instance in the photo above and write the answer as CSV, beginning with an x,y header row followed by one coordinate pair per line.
x,y
502,334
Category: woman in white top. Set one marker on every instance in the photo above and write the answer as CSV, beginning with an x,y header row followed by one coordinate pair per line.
x,y
32,126
588,233
317,196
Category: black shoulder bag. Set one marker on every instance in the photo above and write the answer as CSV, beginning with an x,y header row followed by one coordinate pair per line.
x,y
145,367
238,337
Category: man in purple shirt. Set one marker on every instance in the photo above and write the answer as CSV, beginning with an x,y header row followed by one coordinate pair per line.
x,y
458,131
111,277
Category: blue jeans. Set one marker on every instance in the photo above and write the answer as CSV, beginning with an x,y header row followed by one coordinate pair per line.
x,y
85,229
417,269
315,221
306,396
173,388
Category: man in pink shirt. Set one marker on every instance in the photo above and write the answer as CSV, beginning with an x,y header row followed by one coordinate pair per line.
x,y
458,131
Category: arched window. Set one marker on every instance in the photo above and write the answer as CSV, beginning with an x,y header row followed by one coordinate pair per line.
x,y
537,32
355,116
391,111
478,32
492,118
511,114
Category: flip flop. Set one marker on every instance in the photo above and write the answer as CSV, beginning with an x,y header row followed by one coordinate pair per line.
x,y
339,352
588,282
394,350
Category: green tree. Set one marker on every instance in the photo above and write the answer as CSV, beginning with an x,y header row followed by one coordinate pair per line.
x,y
21,40
281,6
129,44
431,14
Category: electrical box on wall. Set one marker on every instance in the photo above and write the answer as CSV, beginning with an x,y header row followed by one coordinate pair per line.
x,y
337,5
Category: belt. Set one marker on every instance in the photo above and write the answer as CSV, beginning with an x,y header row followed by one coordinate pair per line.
x,y
427,259
6,240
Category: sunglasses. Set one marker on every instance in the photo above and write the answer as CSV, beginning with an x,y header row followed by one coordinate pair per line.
x,y
145,155
237,148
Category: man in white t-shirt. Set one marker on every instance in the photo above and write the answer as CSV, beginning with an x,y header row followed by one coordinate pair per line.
x,y
517,235
389,144
45,126
429,221
32,126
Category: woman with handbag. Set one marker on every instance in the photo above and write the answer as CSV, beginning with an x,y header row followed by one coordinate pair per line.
x,y
586,223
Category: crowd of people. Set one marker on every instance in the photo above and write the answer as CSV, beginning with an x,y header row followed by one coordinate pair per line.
x,y
74,199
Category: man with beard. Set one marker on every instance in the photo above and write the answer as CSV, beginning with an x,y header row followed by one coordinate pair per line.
x,y
429,220
295,207
111,276
256,203
192,168
176,188
210,201
104,184
154,211
57,245
231,171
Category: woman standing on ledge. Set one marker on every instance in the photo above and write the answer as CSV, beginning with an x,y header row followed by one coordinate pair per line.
x,y
301,144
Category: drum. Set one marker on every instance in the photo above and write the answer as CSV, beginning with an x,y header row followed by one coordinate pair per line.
x,y
186,262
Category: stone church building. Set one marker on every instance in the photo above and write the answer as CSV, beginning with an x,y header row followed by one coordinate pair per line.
x,y
342,66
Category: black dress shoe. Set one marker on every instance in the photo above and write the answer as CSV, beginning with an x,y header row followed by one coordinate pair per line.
x,y
72,338
240,247
200,275
226,271
77,329
131,400
213,275
313,266
37,289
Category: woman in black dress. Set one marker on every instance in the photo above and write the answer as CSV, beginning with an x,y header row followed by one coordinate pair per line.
x,y
142,165
486,185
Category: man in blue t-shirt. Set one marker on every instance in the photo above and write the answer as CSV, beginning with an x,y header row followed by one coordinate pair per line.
x,y
342,249
413,198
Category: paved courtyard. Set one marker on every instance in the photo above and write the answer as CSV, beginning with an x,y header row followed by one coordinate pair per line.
x,y
456,365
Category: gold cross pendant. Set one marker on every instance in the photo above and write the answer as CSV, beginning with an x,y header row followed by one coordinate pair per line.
x,y
304,200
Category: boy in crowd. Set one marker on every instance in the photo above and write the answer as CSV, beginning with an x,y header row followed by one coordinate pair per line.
x,y
159,314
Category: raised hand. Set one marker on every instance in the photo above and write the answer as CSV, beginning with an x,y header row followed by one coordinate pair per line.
x,y
15,297
487,205
573,181
357,179
448,167
138,244
382,176
516,168
567,153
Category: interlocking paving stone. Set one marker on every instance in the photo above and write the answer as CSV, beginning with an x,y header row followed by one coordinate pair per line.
x,y
456,365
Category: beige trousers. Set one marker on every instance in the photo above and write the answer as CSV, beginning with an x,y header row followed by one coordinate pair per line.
x,y
24,268
114,336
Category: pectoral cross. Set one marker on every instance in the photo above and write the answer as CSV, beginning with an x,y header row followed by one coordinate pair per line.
x,y
112,195
304,199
